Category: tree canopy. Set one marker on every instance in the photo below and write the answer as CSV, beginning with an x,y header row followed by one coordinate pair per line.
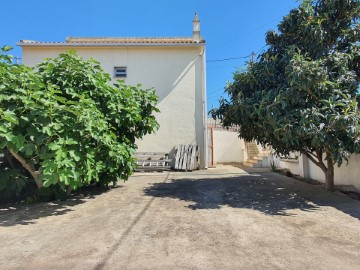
x,y
67,125
301,93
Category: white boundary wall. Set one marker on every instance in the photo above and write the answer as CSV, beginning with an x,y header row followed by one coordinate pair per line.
x,y
347,174
228,147
291,165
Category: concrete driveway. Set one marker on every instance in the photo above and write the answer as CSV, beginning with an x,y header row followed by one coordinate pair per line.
x,y
223,218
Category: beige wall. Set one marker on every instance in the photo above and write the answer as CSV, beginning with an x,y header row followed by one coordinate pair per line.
x,y
228,147
291,165
175,73
344,175
347,174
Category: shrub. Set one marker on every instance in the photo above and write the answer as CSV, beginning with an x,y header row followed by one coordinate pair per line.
x,y
67,125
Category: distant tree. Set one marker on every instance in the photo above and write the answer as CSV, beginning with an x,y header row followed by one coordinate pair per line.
x,y
301,94
67,125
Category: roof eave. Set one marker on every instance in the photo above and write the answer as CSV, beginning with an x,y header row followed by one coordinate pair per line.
x,y
97,44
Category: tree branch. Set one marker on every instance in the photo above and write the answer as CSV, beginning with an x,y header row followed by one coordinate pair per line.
x,y
311,153
28,167
311,156
319,154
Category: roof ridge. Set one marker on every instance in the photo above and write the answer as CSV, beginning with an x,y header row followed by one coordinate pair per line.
x,y
94,41
118,37
126,39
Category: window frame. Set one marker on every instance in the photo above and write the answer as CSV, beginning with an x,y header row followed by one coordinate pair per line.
x,y
120,72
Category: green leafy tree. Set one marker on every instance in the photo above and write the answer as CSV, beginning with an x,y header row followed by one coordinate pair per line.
x,y
301,93
67,125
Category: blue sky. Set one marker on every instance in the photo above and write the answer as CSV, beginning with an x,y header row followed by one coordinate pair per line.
x,y
231,28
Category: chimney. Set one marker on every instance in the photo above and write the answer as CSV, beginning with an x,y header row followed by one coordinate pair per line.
x,y
196,28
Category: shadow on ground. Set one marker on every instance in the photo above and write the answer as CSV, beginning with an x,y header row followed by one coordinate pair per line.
x,y
26,214
269,193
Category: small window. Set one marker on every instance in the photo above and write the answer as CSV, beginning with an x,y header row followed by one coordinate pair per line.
x,y
120,72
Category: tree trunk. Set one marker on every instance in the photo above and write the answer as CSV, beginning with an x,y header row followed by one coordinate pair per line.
x,y
35,174
328,170
329,176
68,190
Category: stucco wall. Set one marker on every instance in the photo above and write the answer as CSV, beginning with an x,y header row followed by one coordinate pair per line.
x,y
228,147
344,175
347,174
175,73
291,165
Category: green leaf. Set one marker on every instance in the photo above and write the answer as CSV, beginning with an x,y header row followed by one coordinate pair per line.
x,y
70,142
29,149
6,48
3,144
18,141
50,180
74,155
2,129
8,136
10,116
53,146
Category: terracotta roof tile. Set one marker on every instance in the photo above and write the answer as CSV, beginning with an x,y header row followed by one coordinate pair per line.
x,y
129,40
93,41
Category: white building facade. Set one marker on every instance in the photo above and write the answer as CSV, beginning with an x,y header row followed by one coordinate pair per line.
x,y
174,67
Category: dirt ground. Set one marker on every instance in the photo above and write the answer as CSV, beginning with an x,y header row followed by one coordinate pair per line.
x,y
222,218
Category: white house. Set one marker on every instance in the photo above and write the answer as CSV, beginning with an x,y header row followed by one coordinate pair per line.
x,y
174,66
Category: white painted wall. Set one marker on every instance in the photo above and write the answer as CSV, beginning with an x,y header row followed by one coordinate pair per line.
x,y
228,147
291,165
345,175
175,73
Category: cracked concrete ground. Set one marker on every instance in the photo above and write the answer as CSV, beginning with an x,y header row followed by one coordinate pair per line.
x,y
222,218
